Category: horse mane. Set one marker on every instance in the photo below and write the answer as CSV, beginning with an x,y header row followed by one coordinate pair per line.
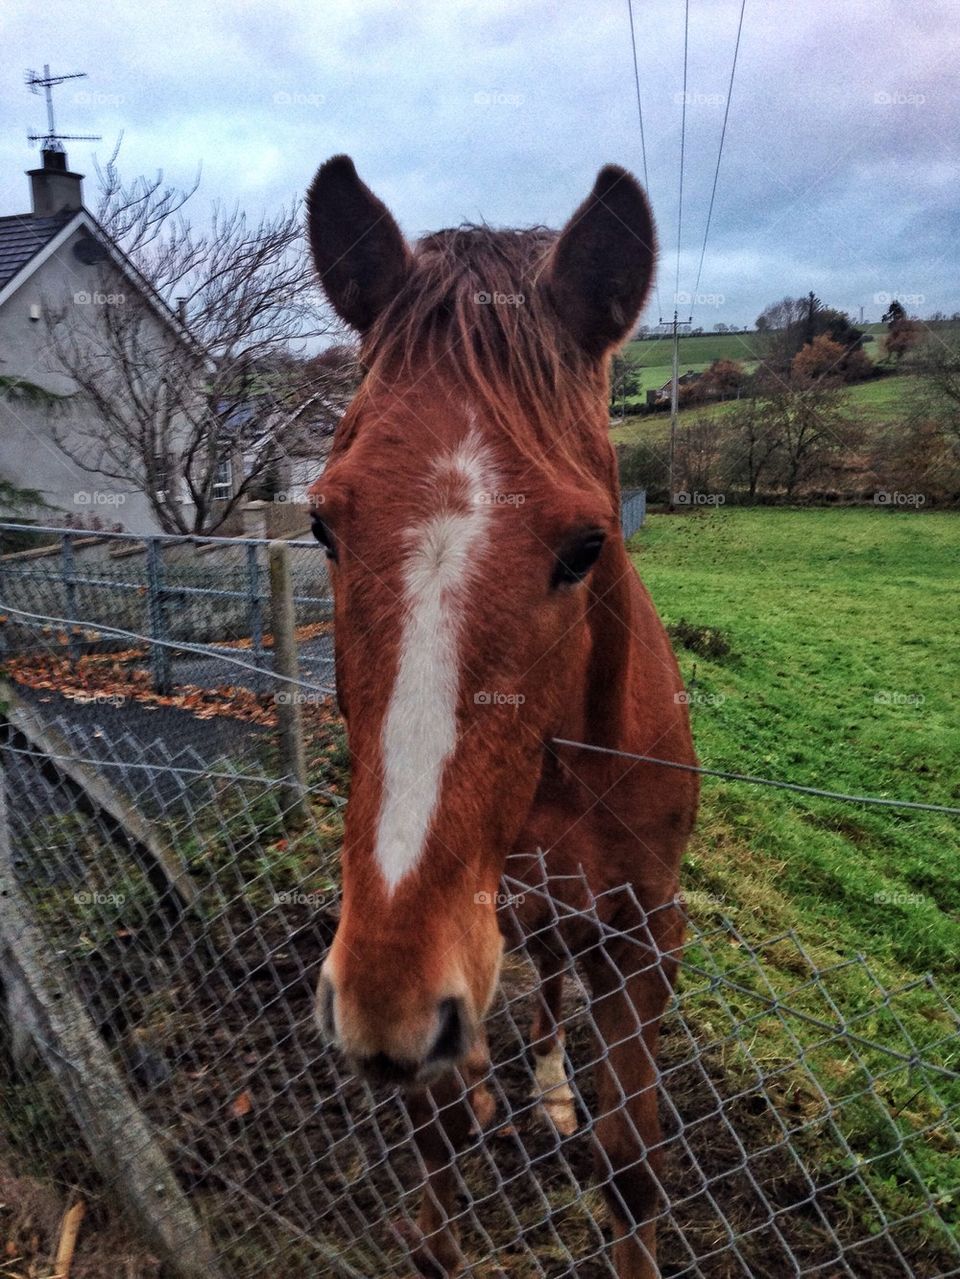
x,y
509,353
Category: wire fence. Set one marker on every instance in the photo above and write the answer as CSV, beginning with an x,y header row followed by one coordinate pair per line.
x,y
804,1131
165,638
166,901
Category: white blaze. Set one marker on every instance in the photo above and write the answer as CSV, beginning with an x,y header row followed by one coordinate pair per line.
x,y
420,730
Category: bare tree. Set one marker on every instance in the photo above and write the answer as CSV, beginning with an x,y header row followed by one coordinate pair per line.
x,y
752,445
937,388
190,357
813,429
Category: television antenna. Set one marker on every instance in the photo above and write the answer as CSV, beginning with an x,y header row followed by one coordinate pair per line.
x,y
52,140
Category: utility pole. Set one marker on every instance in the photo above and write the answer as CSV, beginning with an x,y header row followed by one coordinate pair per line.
x,y
675,325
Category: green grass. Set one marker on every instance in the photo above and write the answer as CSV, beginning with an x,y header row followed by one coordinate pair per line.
x,y
879,403
842,675
695,349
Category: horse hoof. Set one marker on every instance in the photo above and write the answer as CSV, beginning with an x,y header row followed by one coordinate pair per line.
x,y
561,1113
554,1092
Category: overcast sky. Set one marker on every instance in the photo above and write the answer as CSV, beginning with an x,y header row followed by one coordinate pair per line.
x,y
840,169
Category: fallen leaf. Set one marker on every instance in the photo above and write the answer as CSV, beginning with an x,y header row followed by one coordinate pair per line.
x,y
242,1105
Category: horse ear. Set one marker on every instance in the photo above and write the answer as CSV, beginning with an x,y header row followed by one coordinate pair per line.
x,y
359,251
602,264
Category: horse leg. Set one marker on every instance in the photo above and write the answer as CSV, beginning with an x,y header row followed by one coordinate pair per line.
x,y
443,1116
476,1069
551,1086
629,994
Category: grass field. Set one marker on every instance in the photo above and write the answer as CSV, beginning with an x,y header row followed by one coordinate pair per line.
x,y
842,674
877,403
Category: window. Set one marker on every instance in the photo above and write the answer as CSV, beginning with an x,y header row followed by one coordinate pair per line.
x,y
223,480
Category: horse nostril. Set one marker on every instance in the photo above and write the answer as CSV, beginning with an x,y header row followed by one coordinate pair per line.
x,y
452,1041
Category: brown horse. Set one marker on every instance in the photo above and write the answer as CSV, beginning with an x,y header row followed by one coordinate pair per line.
x,y
485,606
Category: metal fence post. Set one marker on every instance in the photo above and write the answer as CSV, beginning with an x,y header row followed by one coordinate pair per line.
x,y
70,594
159,653
285,665
255,607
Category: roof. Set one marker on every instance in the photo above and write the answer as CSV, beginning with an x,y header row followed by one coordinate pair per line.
x,y
26,242
22,236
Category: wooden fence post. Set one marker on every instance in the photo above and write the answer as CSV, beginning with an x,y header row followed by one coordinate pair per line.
x,y
287,696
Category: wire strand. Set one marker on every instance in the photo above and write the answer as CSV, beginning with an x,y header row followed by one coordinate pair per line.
x,y
683,140
761,781
643,141
179,645
723,134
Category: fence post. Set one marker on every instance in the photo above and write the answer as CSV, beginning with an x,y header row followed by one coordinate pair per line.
x,y
255,607
70,594
159,653
285,665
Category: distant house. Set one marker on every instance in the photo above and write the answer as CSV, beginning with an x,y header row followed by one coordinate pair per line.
x,y
58,255
664,392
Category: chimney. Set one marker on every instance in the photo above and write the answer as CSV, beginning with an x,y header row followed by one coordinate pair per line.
x,y
52,187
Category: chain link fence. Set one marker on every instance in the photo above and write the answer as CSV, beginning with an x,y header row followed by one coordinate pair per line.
x,y
166,639
159,1050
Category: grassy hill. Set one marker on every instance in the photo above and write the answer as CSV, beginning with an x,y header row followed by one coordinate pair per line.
x,y
842,629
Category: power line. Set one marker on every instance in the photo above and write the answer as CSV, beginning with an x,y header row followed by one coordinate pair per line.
x,y
723,134
683,139
643,141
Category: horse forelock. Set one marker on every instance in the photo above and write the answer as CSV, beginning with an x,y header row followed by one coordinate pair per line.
x,y
473,313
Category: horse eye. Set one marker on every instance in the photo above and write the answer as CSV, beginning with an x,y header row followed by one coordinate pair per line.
x,y
322,534
576,559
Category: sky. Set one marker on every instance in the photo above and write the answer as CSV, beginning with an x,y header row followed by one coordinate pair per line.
x,y
839,171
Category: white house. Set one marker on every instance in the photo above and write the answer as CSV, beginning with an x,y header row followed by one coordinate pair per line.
x,y
58,255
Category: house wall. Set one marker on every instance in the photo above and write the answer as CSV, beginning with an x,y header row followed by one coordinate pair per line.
x,y
29,454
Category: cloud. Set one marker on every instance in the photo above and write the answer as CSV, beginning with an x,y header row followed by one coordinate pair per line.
x,y
837,171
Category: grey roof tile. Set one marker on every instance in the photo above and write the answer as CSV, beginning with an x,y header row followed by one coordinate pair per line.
x,y
22,236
